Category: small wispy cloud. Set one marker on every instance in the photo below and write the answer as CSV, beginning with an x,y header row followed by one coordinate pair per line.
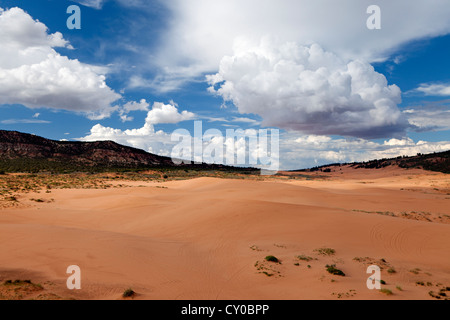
x,y
24,121
429,118
96,4
433,89
215,119
247,120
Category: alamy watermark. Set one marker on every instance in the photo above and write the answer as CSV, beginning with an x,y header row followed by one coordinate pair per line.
x,y
374,281
374,21
244,148
74,280
74,20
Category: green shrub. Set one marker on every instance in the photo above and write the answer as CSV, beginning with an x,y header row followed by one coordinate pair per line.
x,y
333,270
391,270
304,258
386,291
128,293
272,259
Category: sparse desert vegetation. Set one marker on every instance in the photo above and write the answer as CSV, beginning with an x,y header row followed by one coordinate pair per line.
x,y
267,268
349,294
14,185
382,263
305,258
18,289
334,271
387,292
325,251
128,293
272,259
415,271
441,294
391,270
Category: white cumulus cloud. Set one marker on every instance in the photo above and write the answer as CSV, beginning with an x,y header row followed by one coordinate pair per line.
x,y
167,113
425,118
312,150
131,106
146,137
33,74
201,32
310,90
430,89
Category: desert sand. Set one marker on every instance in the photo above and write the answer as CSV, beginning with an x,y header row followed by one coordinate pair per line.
x,y
207,238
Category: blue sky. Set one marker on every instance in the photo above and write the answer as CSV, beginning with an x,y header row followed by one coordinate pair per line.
x,y
138,70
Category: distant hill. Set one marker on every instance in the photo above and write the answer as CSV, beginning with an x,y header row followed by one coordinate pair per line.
x,y
22,152
439,162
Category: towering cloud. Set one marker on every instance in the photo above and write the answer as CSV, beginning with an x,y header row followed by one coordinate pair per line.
x,y
307,89
203,31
